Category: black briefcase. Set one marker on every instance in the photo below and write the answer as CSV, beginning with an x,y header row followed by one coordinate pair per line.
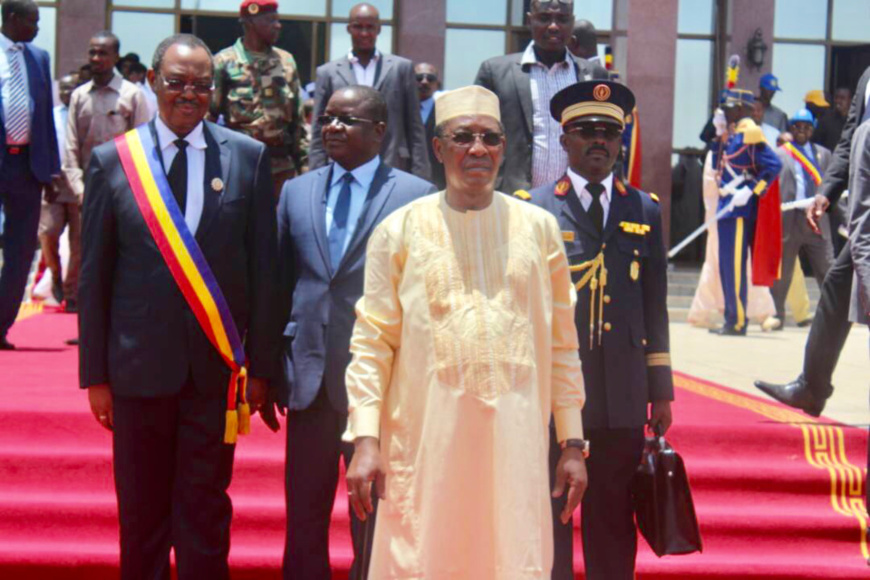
x,y
662,501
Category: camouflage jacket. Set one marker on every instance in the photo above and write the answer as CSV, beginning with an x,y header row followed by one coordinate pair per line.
x,y
259,94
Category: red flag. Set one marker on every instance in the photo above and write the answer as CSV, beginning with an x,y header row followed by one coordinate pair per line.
x,y
767,246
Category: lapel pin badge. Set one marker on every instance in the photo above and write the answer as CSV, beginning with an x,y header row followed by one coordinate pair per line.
x,y
217,184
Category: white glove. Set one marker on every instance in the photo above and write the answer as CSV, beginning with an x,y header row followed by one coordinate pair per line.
x,y
719,122
742,196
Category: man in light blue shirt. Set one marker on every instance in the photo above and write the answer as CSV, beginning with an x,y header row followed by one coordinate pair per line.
x,y
325,218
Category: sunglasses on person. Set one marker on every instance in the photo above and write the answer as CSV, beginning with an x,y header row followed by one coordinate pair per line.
x,y
609,132
201,88
427,77
467,138
345,120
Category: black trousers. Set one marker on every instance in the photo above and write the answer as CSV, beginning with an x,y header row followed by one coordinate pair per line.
x,y
314,447
172,471
830,326
607,516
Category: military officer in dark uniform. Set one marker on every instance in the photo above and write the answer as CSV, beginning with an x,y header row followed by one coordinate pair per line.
x,y
613,237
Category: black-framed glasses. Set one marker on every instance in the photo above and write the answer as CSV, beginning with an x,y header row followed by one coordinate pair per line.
x,y
346,120
180,86
609,132
467,138
427,77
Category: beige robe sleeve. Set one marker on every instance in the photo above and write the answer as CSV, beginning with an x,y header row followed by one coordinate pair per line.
x,y
376,335
567,389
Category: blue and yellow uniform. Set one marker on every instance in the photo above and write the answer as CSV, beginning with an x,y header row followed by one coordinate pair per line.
x,y
745,158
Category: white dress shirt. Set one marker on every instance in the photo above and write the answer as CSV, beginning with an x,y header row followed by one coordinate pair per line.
x,y
195,167
549,160
363,176
579,184
365,75
6,57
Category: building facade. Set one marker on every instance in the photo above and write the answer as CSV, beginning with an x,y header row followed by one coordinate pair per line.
x,y
672,53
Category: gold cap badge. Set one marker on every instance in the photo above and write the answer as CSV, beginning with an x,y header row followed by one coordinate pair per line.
x,y
217,184
601,93
253,9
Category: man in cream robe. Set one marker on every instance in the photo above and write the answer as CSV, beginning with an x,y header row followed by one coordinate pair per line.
x,y
464,346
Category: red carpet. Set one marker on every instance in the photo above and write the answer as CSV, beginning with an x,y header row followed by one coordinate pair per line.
x,y
778,496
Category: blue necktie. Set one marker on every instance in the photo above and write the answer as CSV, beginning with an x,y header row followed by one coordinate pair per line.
x,y
338,231
18,118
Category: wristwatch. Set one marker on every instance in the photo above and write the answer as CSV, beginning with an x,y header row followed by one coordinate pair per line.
x,y
581,444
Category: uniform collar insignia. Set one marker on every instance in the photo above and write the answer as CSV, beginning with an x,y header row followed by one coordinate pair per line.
x,y
620,187
563,186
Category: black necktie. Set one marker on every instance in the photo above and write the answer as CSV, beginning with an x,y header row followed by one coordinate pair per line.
x,y
178,175
596,210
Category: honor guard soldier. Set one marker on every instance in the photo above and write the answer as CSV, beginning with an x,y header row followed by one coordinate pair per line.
x,y
746,165
257,91
613,237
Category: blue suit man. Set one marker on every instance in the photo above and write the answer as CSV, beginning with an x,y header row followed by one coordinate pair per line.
x,y
325,218
28,150
747,165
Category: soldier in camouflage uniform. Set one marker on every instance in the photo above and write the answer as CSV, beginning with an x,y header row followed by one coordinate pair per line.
x,y
257,91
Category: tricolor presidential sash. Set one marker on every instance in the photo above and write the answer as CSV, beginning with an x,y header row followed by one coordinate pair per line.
x,y
809,165
183,256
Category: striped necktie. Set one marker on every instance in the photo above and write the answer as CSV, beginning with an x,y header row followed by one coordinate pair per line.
x,y
17,109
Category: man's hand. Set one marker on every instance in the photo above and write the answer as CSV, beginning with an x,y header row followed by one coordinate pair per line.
x,y
816,211
257,393
268,411
365,468
100,398
52,190
660,414
571,470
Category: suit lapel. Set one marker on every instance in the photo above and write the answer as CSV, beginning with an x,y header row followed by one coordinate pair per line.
x,y
385,63
380,191
573,210
344,68
615,212
217,160
523,82
317,199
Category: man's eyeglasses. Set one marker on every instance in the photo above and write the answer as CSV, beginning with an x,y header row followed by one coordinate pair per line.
x,y
609,132
467,138
427,77
180,86
346,120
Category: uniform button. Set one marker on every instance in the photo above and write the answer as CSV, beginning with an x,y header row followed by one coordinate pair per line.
x,y
607,326
606,299
636,253
603,246
643,342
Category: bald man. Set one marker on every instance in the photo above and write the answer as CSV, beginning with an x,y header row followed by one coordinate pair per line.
x,y
404,144
584,42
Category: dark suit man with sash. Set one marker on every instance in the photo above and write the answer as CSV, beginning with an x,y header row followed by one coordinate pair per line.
x,y
613,238
177,298
325,218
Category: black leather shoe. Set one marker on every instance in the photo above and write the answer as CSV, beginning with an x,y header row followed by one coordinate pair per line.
x,y
5,344
70,306
794,394
728,331
805,323
72,342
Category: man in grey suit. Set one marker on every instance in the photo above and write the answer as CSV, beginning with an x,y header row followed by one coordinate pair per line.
x,y
796,182
525,82
325,218
831,325
404,144
859,223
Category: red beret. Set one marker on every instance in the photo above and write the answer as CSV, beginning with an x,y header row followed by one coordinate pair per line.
x,y
254,7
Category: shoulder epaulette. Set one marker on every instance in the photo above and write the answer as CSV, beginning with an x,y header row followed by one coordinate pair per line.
x,y
752,133
654,197
522,194
563,186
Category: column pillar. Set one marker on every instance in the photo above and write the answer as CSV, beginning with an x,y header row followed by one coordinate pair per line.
x,y
747,16
650,71
77,21
422,26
